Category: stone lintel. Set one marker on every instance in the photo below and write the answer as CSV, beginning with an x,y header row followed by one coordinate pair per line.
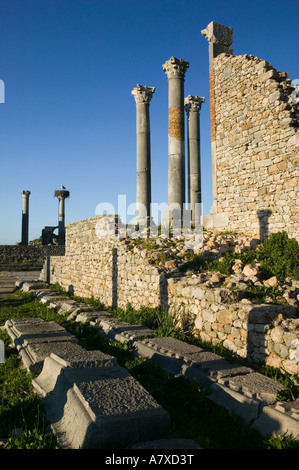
x,y
220,37
218,33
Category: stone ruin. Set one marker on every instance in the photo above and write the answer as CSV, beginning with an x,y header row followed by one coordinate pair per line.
x,y
47,235
254,143
254,124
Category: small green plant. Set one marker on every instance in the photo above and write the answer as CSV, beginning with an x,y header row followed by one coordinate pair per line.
x,y
279,257
167,324
32,439
263,293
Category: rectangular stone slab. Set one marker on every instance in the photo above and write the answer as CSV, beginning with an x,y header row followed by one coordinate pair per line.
x,y
67,355
122,331
36,339
254,385
103,406
169,347
39,331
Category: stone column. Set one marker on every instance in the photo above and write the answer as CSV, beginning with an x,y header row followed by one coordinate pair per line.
x,y
192,107
220,37
61,195
175,70
143,96
25,217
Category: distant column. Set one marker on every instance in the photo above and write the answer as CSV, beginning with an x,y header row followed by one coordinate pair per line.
x,y
192,107
143,96
220,37
25,217
175,70
61,195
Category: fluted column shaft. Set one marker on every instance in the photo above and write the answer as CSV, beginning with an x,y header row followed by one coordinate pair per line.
x,y
143,96
192,107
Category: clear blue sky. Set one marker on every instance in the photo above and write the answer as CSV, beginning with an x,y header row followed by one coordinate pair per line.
x,y
69,67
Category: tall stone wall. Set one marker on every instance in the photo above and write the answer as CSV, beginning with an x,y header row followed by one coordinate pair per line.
x,y
104,268
254,124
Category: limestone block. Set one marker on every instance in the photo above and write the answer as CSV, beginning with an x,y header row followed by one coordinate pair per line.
x,y
218,33
70,355
103,406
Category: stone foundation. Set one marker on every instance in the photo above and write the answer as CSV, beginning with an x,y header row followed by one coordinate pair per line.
x,y
118,271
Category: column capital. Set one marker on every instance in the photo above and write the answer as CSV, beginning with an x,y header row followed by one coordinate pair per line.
x,y
175,68
62,194
193,103
143,94
26,193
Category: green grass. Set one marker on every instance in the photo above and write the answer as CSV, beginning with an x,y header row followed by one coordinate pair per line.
x,y
193,415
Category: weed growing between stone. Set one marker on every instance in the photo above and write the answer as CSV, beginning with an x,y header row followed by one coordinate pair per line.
x,y
278,256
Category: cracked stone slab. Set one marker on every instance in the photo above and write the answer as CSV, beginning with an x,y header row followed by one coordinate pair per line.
x,y
273,421
94,316
103,406
68,355
254,385
33,285
36,339
68,306
172,347
40,293
123,331
49,299
212,371
38,331
246,407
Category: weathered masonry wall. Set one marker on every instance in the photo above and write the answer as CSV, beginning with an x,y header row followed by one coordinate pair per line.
x,y
109,269
103,268
254,124
28,253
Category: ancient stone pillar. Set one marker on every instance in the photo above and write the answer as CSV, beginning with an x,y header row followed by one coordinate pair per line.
x,y
143,96
220,37
192,107
175,70
61,195
25,217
